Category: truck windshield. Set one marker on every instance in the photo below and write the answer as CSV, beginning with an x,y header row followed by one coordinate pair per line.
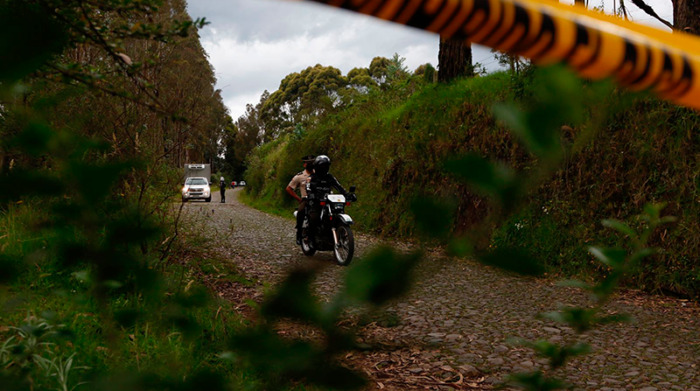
x,y
196,181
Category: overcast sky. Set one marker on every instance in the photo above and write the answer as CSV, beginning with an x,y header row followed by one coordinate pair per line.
x,y
254,44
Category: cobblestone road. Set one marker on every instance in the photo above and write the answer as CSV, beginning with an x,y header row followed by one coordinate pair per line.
x,y
452,329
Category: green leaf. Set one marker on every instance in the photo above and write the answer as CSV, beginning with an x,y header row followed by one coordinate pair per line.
x,y
535,381
556,354
513,259
575,284
484,177
95,181
20,183
34,139
638,256
621,227
293,298
35,38
460,247
381,276
616,318
653,211
581,319
613,257
513,117
433,217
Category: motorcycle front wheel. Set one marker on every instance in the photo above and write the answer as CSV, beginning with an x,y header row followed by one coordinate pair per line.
x,y
345,248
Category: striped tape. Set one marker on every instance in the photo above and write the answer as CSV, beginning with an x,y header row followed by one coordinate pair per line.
x,y
595,45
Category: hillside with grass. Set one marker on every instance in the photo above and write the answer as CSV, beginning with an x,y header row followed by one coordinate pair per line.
x,y
611,153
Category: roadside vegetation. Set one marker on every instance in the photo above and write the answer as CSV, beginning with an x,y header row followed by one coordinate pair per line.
x,y
104,288
616,152
101,103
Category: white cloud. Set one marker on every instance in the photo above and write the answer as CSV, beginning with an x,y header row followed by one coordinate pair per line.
x,y
254,44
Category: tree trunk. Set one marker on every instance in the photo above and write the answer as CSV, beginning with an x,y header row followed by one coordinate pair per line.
x,y
454,60
686,16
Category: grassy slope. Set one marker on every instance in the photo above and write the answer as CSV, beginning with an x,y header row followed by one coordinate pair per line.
x,y
391,146
124,342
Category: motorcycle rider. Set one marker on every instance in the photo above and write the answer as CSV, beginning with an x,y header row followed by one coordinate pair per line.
x,y
320,184
299,181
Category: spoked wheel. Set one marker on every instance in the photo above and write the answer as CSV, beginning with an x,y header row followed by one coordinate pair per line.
x,y
346,245
306,247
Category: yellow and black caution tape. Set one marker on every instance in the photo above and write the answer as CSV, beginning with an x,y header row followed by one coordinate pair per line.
x,y
595,45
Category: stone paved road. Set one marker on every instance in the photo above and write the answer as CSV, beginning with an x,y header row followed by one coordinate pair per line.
x,y
453,327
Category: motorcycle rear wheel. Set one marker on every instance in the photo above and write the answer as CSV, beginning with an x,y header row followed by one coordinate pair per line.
x,y
346,245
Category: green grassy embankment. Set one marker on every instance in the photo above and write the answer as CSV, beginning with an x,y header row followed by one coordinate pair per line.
x,y
392,145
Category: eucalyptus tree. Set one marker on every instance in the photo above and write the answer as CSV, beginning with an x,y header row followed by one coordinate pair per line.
x,y
302,98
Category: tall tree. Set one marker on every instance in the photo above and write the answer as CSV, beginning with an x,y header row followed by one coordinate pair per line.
x,y
302,98
454,59
686,16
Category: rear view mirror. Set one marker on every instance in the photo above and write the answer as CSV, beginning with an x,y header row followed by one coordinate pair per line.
x,y
352,189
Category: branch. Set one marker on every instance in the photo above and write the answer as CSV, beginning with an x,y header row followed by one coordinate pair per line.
x,y
644,7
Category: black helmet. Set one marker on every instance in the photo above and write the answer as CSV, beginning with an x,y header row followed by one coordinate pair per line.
x,y
321,164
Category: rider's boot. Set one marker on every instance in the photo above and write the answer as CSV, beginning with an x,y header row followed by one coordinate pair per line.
x,y
298,236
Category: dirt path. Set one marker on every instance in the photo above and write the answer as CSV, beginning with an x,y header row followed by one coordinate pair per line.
x,y
451,330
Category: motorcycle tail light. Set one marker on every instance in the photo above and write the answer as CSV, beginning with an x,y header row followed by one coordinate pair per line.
x,y
323,203
347,203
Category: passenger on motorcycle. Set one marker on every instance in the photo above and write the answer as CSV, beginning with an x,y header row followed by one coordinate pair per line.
x,y
321,183
300,181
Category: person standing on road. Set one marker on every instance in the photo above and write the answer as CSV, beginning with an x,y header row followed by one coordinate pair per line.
x,y
299,181
222,189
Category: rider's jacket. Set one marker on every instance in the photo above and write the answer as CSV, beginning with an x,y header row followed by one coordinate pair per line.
x,y
320,185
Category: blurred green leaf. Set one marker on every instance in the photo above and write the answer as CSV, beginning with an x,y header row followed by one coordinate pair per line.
x,y
203,380
621,227
381,276
293,298
535,381
615,318
558,101
575,284
20,183
127,317
641,254
486,178
513,259
271,354
653,211
433,217
460,247
9,268
580,319
606,287
36,37
195,297
613,257
95,181
35,139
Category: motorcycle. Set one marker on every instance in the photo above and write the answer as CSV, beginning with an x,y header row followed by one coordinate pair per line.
x,y
333,232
